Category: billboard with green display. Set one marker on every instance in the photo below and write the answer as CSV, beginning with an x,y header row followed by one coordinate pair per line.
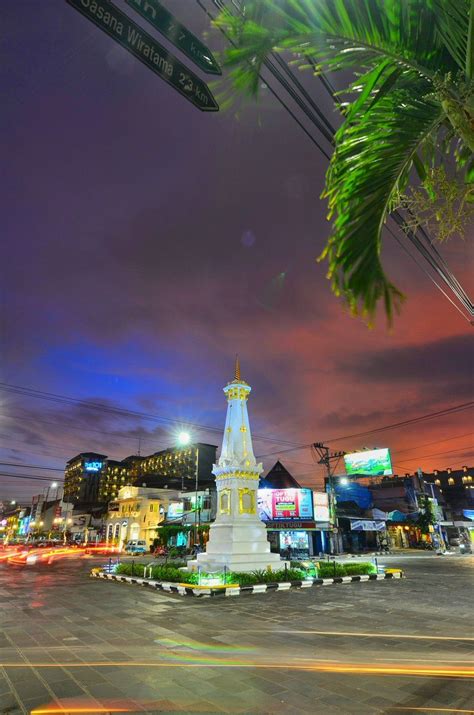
x,y
371,463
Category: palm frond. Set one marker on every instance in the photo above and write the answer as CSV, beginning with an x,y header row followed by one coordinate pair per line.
x,y
453,20
339,34
370,157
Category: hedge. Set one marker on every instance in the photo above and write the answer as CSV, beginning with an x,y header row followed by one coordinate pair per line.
x,y
326,569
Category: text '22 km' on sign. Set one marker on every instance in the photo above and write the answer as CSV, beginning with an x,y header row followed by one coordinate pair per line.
x,y
176,33
146,49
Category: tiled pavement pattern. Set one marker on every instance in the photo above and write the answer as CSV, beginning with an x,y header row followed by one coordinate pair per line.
x,y
72,640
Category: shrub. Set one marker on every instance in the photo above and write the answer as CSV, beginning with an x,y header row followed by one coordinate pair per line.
x,y
129,569
329,569
359,569
168,572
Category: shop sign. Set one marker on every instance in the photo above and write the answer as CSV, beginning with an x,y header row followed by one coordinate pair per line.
x,y
367,525
321,506
291,525
284,504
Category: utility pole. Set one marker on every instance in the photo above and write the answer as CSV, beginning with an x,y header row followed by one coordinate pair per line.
x,y
326,457
197,512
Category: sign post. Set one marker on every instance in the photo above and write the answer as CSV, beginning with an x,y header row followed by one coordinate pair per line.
x,y
163,21
146,49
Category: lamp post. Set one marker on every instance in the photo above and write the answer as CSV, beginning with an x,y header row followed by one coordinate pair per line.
x,y
184,438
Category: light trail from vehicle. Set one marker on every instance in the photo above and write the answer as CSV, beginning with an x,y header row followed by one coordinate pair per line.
x,y
319,667
373,635
429,710
66,710
47,555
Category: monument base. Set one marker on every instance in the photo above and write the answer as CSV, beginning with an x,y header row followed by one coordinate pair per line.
x,y
239,563
238,548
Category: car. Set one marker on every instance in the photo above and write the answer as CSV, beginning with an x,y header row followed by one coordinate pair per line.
x,y
136,547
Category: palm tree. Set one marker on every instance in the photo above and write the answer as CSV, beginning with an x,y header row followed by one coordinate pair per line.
x,y
413,89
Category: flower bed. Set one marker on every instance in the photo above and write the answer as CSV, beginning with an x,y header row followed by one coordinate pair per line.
x,y
325,569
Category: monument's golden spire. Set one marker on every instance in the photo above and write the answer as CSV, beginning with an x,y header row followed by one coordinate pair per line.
x,y
237,369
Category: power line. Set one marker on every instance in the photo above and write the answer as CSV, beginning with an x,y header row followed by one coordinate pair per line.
x,y
66,400
395,425
436,454
30,466
438,441
430,253
10,475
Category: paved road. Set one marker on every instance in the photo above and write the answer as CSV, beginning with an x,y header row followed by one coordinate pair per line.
x,y
72,644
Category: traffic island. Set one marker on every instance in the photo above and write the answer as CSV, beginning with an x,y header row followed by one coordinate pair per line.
x,y
184,589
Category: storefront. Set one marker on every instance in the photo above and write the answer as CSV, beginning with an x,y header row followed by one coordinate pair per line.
x,y
360,535
297,521
404,536
298,540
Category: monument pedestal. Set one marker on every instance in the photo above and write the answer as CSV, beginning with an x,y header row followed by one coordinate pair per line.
x,y
242,547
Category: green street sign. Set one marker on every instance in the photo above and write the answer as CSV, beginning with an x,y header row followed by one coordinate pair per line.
x,y
176,33
146,49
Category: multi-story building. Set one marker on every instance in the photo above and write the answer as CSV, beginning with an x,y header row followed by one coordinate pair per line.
x,y
457,488
136,514
82,477
94,478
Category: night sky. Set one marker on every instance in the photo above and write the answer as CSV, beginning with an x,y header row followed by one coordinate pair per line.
x,y
146,243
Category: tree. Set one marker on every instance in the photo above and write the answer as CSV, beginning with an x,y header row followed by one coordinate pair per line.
x,y
426,516
412,98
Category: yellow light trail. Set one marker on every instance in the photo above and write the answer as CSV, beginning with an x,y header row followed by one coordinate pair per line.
x,y
66,710
431,710
348,668
373,635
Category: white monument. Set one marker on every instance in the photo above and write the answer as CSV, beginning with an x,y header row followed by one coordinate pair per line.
x,y
237,538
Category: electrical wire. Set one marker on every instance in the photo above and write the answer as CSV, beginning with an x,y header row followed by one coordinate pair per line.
x,y
434,258
395,425
30,466
66,400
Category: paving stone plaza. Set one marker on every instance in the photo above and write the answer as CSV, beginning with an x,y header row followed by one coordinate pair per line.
x,y
74,643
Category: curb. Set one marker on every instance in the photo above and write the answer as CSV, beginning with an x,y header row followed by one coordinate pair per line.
x,y
241,590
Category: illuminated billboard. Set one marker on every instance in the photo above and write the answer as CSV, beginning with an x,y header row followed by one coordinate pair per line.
x,y
175,510
285,504
372,463
321,506
93,466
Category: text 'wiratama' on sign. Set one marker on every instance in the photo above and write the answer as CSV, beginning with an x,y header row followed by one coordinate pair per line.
x,y
146,49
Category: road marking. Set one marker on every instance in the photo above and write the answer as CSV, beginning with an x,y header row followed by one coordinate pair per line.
x,y
370,635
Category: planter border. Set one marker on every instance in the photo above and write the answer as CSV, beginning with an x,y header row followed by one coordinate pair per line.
x,y
190,590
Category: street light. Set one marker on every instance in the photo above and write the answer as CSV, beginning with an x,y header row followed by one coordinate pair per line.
x,y
344,481
184,438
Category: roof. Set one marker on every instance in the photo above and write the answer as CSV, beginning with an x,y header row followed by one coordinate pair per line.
x,y
279,478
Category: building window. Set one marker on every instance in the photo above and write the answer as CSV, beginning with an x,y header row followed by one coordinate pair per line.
x,y
450,481
437,482
151,507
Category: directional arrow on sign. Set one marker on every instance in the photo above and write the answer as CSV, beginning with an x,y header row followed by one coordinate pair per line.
x,y
146,49
163,21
